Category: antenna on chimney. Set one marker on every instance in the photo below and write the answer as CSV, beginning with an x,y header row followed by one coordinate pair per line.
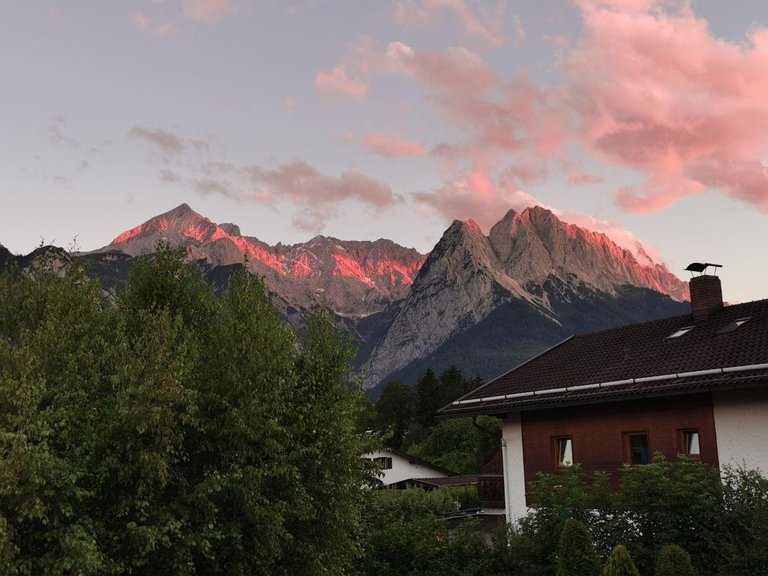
x,y
701,268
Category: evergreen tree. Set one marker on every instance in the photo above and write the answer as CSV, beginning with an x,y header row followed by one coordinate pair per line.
x,y
394,410
620,563
576,554
453,383
429,399
674,561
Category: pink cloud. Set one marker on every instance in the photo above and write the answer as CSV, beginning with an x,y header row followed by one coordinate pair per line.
x,y
318,195
685,108
580,179
485,23
392,148
206,11
336,82
144,23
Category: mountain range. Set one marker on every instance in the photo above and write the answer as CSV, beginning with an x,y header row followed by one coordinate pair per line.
x,y
482,303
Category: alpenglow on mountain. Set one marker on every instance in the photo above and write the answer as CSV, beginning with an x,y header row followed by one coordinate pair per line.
x,y
495,300
481,303
354,278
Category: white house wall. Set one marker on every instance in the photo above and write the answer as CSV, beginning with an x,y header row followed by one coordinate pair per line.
x,y
514,472
403,468
741,425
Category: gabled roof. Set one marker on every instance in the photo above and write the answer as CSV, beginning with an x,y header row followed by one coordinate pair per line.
x,y
439,482
415,461
633,361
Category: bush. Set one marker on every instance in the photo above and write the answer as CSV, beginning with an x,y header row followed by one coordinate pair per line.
x,y
670,502
674,561
620,563
744,537
575,554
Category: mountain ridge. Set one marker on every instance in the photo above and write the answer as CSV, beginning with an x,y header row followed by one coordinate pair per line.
x,y
475,300
355,278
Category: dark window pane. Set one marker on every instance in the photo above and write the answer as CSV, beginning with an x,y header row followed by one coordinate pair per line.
x,y
639,451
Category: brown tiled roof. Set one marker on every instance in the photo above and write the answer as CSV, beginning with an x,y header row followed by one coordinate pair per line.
x,y
634,360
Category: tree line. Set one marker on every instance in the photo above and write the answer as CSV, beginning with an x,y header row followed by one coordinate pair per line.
x,y
405,418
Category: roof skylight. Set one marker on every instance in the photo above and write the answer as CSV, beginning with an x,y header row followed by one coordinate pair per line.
x,y
733,325
680,332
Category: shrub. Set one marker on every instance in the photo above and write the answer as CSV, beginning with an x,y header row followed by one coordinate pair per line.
x,y
620,563
674,561
575,553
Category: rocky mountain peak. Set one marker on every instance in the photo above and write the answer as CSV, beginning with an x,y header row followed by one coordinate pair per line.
x,y
535,245
231,229
353,278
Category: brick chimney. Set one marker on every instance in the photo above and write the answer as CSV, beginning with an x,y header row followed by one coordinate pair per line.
x,y
706,295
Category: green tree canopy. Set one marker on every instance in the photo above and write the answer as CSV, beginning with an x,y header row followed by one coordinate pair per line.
x,y
172,433
394,410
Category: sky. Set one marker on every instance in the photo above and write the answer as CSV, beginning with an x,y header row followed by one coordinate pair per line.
x,y
366,119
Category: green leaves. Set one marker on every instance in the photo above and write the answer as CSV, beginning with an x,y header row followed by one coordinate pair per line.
x,y
175,433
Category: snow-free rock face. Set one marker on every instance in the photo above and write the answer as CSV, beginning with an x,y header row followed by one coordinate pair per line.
x,y
458,286
531,257
535,244
353,278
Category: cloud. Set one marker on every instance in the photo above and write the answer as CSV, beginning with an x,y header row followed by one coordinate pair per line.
x,y
317,195
484,23
392,147
143,22
688,110
59,135
304,184
170,145
166,142
335,82
581,178
677,105
169,177
212,187
206,11
519,30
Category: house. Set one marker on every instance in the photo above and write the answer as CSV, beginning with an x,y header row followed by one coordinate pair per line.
x,y
399,467
695,384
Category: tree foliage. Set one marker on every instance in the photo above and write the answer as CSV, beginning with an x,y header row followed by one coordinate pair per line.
x,y
394,410
620,563
674,561
172,433
576,554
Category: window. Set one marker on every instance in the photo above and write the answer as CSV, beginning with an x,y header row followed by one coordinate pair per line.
x,y
678,333
385,462
689,443
733,325
563,451
637,449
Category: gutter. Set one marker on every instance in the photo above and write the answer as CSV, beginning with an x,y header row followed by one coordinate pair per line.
x,y
610,384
